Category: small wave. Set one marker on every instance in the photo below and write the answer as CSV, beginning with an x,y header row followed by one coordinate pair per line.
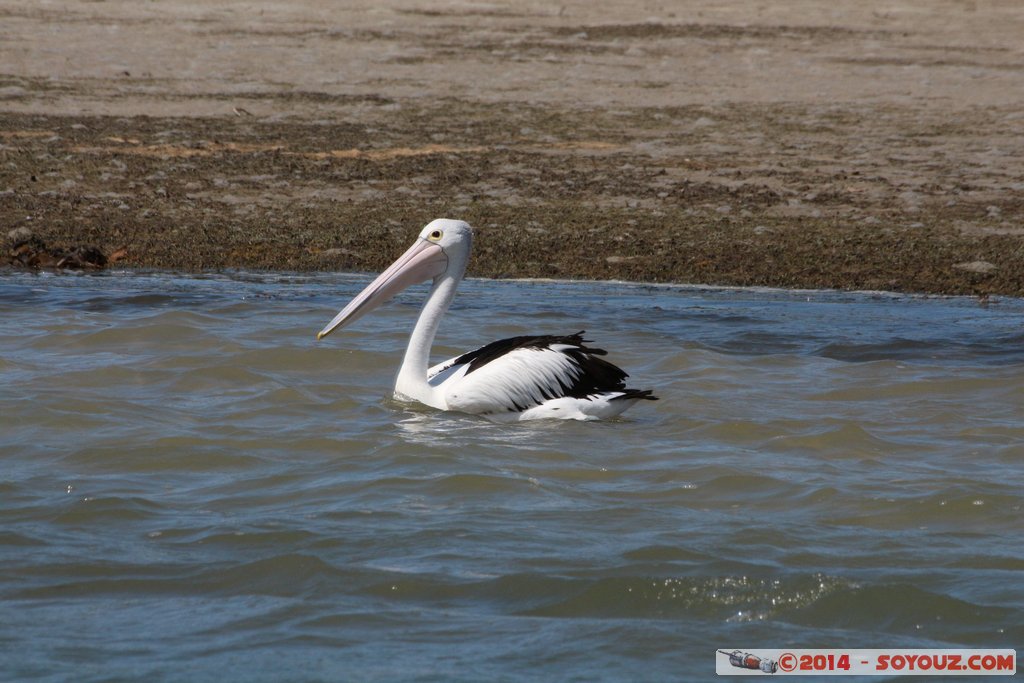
x,y
740,598
906,608
87,511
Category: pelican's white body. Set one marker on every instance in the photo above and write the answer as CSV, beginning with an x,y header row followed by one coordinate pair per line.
x,y
518,378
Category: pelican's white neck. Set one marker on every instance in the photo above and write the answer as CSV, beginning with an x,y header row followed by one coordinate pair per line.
x,y
411,382
455,239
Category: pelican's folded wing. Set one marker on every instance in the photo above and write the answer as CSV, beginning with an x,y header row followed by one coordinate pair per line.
x,y
516,374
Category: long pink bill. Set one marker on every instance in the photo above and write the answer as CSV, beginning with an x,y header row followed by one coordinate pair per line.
x,y
423,261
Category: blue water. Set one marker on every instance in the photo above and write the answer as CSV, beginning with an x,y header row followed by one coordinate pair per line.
x,y
193,488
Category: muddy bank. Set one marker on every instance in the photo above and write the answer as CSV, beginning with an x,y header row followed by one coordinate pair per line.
x,y
901,171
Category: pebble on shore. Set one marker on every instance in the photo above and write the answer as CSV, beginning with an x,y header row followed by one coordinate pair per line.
x,y
24,249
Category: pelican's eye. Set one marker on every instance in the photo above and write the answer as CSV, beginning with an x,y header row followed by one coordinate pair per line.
x,y
435,236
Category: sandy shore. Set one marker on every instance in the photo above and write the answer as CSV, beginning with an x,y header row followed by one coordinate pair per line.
x,y
874,145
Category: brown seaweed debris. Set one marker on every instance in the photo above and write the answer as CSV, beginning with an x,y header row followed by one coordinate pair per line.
x,y
27,250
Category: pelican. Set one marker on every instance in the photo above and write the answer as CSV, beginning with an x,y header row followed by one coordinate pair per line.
x,y
521,378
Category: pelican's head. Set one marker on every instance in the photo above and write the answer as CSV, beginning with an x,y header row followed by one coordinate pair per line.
x,y
441,250
454,237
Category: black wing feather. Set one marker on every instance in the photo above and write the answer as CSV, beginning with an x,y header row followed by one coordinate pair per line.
x,y
595,375
485,354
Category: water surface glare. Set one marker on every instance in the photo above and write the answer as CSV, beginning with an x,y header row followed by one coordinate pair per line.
x,y
193,488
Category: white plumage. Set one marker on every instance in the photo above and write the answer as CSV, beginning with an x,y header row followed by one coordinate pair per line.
x,y
521,378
